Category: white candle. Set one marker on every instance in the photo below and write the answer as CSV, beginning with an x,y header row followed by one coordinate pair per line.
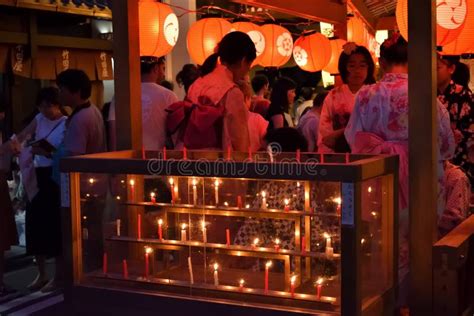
x,y
292,285
172,189
183,232
329,250
194,192
241,285
264,200
255,242
190,267
216,191
216,274
204,232
287,204
118,227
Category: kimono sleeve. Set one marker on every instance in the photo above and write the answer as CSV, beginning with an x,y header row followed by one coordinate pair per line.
x,y
325,124
236,131
355,123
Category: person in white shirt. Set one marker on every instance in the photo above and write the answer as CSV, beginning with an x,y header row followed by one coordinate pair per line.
x,y
307,95
155,100
256,123
43,216
308,124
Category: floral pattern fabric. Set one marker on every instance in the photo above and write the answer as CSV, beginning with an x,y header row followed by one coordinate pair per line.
x,y
337,109
459,102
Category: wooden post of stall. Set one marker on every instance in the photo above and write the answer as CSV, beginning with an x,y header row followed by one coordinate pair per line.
x,y
422,153
127,75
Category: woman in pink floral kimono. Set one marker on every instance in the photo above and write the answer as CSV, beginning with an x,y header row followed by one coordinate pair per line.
x,y
356,68
379,125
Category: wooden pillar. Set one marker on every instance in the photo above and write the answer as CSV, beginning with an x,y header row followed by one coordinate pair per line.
x,y
127,75
422,155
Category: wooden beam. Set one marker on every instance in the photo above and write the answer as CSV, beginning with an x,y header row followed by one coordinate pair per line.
x,y
331,11
13,38
422,152
74,42
127,75
364,12
386,23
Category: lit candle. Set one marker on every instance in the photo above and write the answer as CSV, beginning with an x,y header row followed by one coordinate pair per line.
x,y
132,188
148,251
227,237
267,267
125,269
104,263
228,153
216,274
329,250
241,285
173,197
164,153
292,285
139,228
153,197
190,268
264,200
369,190
277,244
255,242
287,205
118,227
303,244
204,232
216,191
183,232
91,181
239,201
194,192
319,285
185,153
298,155
160,229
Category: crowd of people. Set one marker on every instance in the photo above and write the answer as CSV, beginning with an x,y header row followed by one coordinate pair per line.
x,y
225,108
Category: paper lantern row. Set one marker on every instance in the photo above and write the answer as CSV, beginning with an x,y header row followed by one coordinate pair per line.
x,y
452,17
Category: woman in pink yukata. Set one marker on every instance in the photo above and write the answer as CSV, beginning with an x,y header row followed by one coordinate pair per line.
x,y
220,72
356,68
379,125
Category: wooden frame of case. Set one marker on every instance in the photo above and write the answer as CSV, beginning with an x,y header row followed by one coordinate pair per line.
x,y
349,170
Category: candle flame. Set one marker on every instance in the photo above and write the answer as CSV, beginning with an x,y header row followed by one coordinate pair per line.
x,y
148,250
287,201
264,194
183,226
226,204
247,206
277,241
171,181
256,241
91,180
152,194
241,282
369,189
362,241
160,222
293,279
132,182
320,281
216,266
337,200
203,225
216,182
88,195
118,197
268,264
298,184
175,189
327,236
194,182
374,214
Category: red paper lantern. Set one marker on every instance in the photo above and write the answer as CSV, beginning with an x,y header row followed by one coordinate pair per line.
x,y
158,28
255,34
450,19
356,31
464,43
204,36
278,46
336,50
312,52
